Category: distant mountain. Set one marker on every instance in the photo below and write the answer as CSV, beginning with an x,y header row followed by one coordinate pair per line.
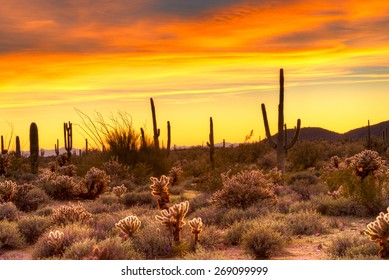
x,y
317,133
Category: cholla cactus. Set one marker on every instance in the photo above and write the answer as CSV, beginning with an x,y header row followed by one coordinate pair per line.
x,y
129,225
100,254
119,190
338,193
96,182
378,231
7,190
56,241
173,218
175,174
160,188
366,163
71,214
196,226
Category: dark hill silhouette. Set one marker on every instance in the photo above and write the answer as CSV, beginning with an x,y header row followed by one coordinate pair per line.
x,y
317,133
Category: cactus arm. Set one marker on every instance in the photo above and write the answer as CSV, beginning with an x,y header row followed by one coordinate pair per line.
x,y
155,128
295,136
168,138
267,129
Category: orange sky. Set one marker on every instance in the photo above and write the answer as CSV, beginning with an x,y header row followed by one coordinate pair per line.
x,y
197,59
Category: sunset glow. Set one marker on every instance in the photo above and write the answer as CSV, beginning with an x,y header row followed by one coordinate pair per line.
x,y
197,59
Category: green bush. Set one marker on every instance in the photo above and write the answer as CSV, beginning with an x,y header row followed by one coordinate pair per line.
x,y
10,236
9,211
32,227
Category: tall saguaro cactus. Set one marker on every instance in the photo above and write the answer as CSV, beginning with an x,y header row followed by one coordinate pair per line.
x,y
211,143
168,138
34,147
56,148
68,136
281,146
155,128
18,152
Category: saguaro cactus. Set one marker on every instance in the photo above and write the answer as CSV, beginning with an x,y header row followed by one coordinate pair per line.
x,y
211,143
18,152
56,147
368,144
34,147
155,128
67,131
281,146
168,138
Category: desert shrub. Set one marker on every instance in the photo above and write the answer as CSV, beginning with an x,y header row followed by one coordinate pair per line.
x,y
305,223
236,231
211,237
9,211
138,198
116,170
199,201
238,214
108,198
274,221
298,206
94,183
10,236
350,246
120,250
68,170
71,233
95,207
29,198
210,215
60,187
154,242
262,241
80,250
175,174
32,227
362,178
204,253
342,206
244,189
104,224
5,163
45,211
71,214
305,154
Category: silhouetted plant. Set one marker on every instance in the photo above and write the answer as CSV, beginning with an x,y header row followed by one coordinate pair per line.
x,y
282,145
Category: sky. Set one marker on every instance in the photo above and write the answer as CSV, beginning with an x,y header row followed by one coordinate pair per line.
x,y
197,59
